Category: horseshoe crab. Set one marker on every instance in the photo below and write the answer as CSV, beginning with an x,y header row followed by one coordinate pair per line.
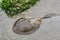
x,y
28,25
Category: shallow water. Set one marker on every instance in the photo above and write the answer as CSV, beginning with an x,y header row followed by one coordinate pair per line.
x,y
49,30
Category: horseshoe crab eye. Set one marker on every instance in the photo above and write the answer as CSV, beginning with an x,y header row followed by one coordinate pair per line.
x,y
24,26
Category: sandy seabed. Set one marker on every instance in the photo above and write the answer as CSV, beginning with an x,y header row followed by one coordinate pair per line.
x,y
49,30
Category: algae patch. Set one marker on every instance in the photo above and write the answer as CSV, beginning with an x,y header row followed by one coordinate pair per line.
x,y
14,7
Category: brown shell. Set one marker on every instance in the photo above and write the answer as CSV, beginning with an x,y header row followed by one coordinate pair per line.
x,y
24,26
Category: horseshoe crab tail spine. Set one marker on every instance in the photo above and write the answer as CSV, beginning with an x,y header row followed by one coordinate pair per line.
x,y
49,15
